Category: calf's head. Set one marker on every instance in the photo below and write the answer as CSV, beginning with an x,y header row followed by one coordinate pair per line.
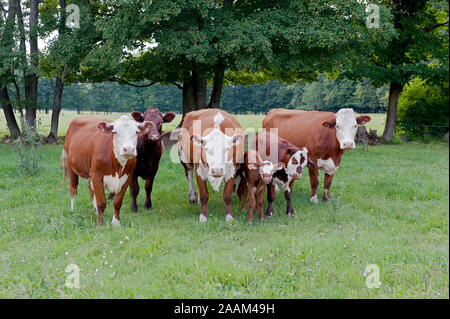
x,y
154,116
266,169
125,133
297,159
346,123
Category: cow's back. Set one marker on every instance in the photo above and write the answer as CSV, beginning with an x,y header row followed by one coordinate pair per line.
x,y
85,141
303,129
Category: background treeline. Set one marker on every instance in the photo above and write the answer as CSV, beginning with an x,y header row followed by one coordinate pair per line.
x,y
329,95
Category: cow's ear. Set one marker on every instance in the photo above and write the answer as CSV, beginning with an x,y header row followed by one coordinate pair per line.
x,y
138,117
253,166
362,119
168,117
279,166
310,164
197,140
145,127
329,124
105,127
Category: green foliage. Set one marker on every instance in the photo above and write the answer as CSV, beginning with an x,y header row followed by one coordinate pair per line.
x,y
423,109
29,150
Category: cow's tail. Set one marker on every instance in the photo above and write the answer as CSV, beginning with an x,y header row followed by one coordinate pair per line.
x,y
63,165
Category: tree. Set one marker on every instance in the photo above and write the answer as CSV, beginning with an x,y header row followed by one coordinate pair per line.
x,y
192,42
7,25
419,50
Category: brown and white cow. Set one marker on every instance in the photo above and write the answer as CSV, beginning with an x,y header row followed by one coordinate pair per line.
x,y
326,135
104,153
210,145
275,149
252,177
149,152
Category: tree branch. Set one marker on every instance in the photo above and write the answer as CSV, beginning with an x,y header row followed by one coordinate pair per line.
x,y
117,79
177,85
428,29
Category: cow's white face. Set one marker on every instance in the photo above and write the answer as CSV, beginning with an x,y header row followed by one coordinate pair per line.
x,y
217,146
266,169
346,125
125,135
297,162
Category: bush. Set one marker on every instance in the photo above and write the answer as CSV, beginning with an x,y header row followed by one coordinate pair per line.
x,y
423,110
29,150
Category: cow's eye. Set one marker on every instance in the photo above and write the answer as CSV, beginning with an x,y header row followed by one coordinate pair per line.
x,y
355,125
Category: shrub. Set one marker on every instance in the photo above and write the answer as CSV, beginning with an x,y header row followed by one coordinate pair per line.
x,y
423,110
29,150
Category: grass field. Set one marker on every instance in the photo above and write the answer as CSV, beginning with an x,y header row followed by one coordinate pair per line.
x,y
389,207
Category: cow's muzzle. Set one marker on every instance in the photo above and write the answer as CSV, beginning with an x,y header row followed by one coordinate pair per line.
x,y
217,172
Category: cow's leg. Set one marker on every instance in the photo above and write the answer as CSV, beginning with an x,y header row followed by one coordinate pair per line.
x,y
148,191
227,195
326,187
314,180
288,196
251,202
73,187
260,202
134,192
99,193
204,197
271,195
91,191
117,203
190,177
242,193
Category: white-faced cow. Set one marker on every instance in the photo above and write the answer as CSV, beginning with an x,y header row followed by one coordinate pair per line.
x,y
276,149
104,153
210,145
252,177
326,135
149,151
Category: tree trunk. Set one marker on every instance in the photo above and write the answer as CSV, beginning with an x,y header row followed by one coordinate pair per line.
x,y
31,81
395,89
194,93
14,130
214,101
56,108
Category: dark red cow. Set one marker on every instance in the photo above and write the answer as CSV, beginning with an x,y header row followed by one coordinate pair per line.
x,y
149,151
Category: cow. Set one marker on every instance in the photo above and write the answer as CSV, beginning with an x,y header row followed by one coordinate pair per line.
x,y
149,151
104,153
326,135
252,177
273,148
209,144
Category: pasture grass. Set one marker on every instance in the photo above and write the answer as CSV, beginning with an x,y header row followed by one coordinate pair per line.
x,y
389,206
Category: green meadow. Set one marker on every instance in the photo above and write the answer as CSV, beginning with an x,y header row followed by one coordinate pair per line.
x,y
389,208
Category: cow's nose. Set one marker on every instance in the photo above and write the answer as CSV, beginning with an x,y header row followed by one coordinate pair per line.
x,y
217,172
154,137
129,150
347,145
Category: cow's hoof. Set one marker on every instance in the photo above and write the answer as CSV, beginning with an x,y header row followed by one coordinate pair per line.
x,y
148,207
249,222
229,218
325,199
115,222
290,214
134,209
314,199
193,201
203,218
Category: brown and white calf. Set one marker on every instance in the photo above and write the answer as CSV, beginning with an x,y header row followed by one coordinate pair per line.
x,y
326,135
210,145
252,177
149,152
276,149
104,153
